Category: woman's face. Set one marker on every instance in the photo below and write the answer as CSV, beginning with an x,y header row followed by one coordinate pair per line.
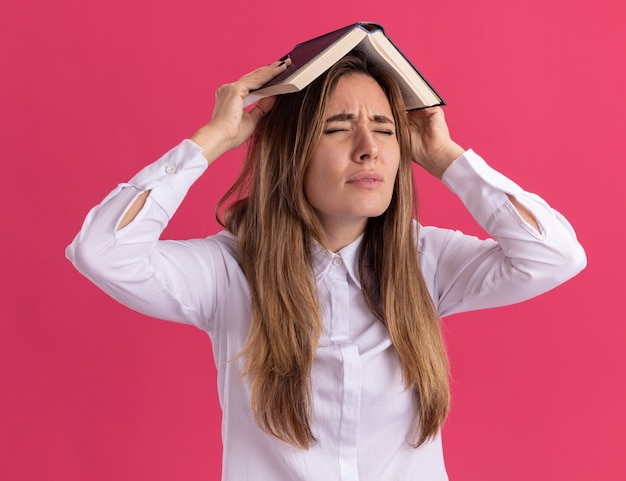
x,y
351,175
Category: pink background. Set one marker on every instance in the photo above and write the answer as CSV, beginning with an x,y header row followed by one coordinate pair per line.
x,y
92,91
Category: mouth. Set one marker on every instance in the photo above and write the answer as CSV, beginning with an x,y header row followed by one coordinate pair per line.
x,y
366,178
365,181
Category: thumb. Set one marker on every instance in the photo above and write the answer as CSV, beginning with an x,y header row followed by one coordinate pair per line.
x,y
262,108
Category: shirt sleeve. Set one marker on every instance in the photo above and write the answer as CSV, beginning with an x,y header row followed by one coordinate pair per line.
x,y
515,264
173,280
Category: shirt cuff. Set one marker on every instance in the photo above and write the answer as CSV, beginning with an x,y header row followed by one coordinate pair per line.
x,y
480,187
170,177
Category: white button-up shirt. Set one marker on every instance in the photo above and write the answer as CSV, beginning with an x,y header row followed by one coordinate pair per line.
x,y
364,418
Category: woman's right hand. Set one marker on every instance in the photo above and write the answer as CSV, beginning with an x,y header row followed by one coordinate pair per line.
x,y
231,124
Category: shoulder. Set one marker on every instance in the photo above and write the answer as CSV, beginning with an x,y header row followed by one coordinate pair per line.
x,y
430,238
223,245
437,244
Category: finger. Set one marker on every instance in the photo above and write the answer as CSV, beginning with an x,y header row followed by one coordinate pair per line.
x,y
262,75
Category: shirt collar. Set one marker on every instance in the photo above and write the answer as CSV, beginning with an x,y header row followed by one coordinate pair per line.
x,y
349,255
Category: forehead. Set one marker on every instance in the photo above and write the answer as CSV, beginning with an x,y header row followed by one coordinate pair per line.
x,y
357,90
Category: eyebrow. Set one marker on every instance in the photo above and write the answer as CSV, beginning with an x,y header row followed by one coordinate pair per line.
x,y
381,119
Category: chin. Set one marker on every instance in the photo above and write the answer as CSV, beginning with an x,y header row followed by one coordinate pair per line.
x,y
375,210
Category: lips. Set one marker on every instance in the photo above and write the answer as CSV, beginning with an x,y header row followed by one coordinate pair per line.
x,y
365,177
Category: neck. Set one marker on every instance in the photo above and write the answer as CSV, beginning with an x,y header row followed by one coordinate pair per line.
x,y
340,234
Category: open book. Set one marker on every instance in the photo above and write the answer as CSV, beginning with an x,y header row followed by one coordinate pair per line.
x,y
312,58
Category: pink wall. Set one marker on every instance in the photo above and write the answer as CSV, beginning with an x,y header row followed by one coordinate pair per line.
x,y
93,91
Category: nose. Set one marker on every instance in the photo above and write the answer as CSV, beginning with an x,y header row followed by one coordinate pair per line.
x,y
366,147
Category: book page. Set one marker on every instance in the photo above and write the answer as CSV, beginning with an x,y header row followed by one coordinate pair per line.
x,y
411,83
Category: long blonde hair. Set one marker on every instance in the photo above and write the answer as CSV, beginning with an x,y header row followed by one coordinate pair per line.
x,y
275,226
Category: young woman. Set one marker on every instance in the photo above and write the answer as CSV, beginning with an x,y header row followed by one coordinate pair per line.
x,y
322,298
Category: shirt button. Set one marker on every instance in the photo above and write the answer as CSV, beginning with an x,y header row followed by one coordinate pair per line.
x,y
170,169
337,261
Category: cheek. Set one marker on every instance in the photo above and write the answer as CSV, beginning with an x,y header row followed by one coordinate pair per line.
x,y
394,168
313,185
393,172
319,177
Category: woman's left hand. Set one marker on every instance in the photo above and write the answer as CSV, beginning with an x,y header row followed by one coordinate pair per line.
x,y
431,144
